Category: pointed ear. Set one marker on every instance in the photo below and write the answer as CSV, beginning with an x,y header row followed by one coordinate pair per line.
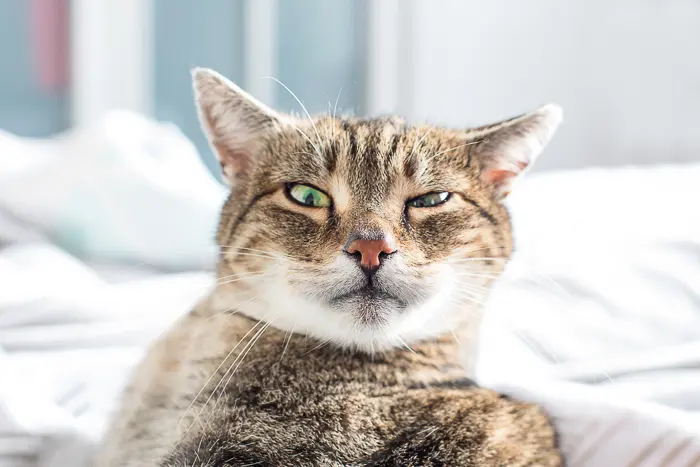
x,y
508,149
235,123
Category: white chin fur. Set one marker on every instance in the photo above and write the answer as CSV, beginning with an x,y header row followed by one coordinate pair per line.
x,y
275,302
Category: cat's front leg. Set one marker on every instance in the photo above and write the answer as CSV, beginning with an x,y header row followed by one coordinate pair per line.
x,y
472,427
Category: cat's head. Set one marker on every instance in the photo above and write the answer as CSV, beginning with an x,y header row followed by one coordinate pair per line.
x,y
368,233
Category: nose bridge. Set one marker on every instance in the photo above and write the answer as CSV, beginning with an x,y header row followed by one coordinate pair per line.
x,y
365,225
368,238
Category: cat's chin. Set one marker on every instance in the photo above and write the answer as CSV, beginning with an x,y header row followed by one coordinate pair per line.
x,y
351,314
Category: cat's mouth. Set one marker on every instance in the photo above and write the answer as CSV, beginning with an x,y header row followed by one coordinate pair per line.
x,y
368,292
368,297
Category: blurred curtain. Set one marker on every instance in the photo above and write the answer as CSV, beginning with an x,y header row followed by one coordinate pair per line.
x,y
34,87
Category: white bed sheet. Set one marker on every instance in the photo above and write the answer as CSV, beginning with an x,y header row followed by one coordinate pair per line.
x,y
598,319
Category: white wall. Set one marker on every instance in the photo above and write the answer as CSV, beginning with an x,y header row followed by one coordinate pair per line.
x,y
111,57
627,72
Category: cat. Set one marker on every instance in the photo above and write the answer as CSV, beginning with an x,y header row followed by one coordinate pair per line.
x,y
354,257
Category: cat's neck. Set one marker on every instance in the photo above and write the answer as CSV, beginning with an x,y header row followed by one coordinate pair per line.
x,y
438,360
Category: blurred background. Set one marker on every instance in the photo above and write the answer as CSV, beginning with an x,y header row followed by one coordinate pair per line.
x,y
622,70
109,195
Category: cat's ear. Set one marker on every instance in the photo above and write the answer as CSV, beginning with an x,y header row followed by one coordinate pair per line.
x,y
235,123
506,150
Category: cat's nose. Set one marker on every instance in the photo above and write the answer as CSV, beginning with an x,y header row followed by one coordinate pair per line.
x,y
370,252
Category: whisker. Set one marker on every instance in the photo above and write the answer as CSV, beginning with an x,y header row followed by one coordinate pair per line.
x,y
476,274
252,255
335,107
322,344
305,111
336,101
417,144
471,300
240,274
405,344
256,255
214,373
244,352
288,339
255,250
329,130
249,348
455,148
552,281
318,151
234,309
241,277
485,258
470,307
447,323
239,359
473,287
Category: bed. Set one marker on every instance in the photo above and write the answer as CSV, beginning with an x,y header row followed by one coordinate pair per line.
x,y
597,317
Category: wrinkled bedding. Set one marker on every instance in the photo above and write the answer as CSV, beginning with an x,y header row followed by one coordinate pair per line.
x,y
597,318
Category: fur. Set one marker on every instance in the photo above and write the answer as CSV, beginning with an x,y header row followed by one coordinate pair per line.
x,y
296,357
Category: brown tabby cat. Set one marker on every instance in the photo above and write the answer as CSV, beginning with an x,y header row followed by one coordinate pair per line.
x,y
354,256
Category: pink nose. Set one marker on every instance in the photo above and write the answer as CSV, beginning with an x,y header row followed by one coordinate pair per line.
x,y
371,250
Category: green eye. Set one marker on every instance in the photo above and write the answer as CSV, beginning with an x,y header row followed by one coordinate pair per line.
x,y
429,200
308,196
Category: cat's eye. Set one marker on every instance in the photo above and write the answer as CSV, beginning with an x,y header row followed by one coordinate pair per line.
x,y
308,195
429,200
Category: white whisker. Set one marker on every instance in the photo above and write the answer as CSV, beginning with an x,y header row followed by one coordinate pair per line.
x,y
289,338
254,250
336,102
475,274
454,148
234,309
305,111
472,287
241,277
322,344
418,141
405,344
214,374
256,255
471,301
238,358
447,323
255,339
485,258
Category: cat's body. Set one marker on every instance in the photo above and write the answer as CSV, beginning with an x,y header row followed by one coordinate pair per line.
x,y
354,257
292,403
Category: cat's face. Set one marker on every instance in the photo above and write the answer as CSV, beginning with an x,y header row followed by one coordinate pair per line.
x,y
366,233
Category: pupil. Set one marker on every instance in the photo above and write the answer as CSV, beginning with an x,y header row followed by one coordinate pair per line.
x,y
309,198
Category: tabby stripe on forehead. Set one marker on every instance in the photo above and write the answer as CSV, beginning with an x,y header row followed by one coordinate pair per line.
x,y
370,154
353,142
410,165
482,211
394,146
332,157
374,138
